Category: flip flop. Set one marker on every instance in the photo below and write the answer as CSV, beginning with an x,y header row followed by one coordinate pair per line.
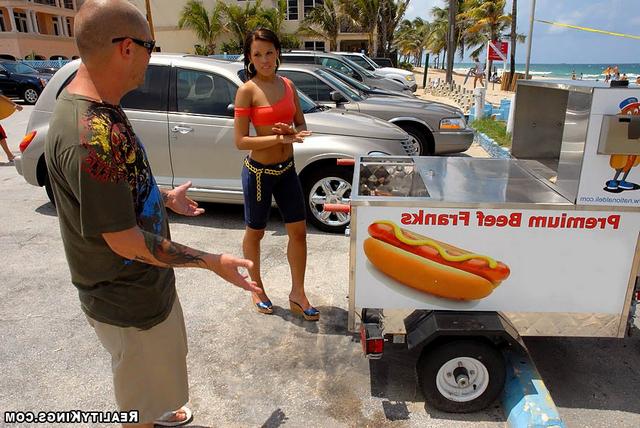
x,y
165,420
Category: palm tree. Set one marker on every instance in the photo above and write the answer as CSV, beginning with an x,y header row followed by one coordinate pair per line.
x,y
273,18
323,21
514,35
452,39
391,13
411,39
363,13
207,25
404,39
487,19
437,41
241,20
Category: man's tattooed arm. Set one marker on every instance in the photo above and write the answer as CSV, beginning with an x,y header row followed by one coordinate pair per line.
x,y
137,244
165,195
170,253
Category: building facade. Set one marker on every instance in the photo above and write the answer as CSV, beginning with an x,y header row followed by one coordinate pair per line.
x,y
166,13
37,29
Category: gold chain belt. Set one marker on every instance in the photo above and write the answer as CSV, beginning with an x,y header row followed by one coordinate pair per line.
x,y
259,171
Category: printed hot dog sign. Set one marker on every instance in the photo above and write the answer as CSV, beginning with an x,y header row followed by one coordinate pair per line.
x,y
493,259
432,266
514,219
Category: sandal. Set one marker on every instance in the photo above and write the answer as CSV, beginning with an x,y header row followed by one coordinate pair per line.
x,y
166,419
311,314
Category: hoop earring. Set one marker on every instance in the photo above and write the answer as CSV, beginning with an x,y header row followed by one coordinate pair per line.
x,y
277,62
249,68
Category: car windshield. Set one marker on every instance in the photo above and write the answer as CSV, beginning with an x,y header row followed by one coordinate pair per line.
x,y
16,67
358,68
360,61
346,89
307,104
350,80
371,62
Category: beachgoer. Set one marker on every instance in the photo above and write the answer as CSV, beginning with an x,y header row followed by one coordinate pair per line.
x,y
3,135
478,72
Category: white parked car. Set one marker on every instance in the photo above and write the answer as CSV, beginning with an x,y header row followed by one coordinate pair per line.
x,y
406,77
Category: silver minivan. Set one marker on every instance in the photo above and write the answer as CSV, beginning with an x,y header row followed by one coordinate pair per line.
x,y
183,114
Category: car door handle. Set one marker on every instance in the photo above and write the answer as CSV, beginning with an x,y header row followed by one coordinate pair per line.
x,y
182,129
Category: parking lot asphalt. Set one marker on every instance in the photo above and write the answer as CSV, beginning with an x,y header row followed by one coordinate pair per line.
x,y
247,369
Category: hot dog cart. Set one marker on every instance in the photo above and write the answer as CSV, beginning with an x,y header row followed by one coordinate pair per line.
x,y
560,221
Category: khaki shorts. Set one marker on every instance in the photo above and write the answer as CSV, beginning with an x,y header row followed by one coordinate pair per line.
x,y
149,366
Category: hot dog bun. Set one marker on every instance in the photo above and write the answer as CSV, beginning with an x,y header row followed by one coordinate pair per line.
x,y
425,275
431,266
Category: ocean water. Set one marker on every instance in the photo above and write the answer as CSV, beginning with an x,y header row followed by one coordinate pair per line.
x,y
563,71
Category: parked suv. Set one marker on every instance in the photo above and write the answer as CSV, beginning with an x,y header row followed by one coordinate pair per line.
x,y
183,113
343,65
434,127
405,77
22,81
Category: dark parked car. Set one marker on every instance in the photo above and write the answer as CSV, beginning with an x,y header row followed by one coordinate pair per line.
x,y
383,62
22,81
47,70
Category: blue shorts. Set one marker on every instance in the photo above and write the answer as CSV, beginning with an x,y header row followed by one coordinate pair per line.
x,y
260,182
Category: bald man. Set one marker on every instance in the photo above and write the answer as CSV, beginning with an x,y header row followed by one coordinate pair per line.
x,y
113,220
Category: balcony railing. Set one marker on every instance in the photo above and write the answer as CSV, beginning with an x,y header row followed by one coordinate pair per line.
x,y
53,3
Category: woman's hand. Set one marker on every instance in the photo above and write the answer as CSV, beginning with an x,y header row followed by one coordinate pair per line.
x,y
282,128
295,138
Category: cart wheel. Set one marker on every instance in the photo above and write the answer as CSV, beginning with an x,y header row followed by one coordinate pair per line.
x,y
461,376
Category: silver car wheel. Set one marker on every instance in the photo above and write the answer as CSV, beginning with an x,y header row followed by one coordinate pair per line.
x,y
330,190
415,144
30,95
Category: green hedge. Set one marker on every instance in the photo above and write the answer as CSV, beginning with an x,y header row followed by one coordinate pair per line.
x,y
493,129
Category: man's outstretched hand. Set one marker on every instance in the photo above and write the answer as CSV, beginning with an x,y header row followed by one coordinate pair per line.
x,y
228,268
178,202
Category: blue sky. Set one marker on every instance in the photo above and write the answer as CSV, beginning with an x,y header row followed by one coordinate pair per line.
x,y
562,45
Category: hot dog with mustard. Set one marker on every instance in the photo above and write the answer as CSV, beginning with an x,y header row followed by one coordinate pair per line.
x,y
432,266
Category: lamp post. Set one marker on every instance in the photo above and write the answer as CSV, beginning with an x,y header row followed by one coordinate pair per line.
x,y
533,12
150,18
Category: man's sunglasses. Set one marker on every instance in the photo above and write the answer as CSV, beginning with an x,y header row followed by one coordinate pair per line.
x,y
147,45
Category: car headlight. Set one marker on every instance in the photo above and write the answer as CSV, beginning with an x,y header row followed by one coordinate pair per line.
x,y
377,153
410,77
43,82
452,123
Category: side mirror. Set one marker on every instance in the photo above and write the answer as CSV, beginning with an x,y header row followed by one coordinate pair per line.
x,y
337,97
357,77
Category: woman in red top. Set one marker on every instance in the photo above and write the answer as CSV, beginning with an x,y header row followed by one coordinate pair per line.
x,y
271,104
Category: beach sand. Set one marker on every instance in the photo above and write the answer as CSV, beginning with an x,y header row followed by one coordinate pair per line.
x,y
493,96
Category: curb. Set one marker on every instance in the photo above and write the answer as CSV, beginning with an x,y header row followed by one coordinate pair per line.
x,y
526,400
491,147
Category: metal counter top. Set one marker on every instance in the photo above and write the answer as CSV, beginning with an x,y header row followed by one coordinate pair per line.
x,y
472,181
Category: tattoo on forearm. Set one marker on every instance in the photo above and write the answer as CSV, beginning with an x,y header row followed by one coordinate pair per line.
x,y
171,253
165,197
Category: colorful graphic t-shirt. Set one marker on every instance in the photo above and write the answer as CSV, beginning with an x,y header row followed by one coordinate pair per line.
x,y
102,183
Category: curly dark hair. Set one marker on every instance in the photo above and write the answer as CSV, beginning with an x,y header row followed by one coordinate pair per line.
x,y
265,35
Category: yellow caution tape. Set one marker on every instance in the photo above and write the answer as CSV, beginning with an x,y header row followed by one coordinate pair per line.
x,y
593,30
